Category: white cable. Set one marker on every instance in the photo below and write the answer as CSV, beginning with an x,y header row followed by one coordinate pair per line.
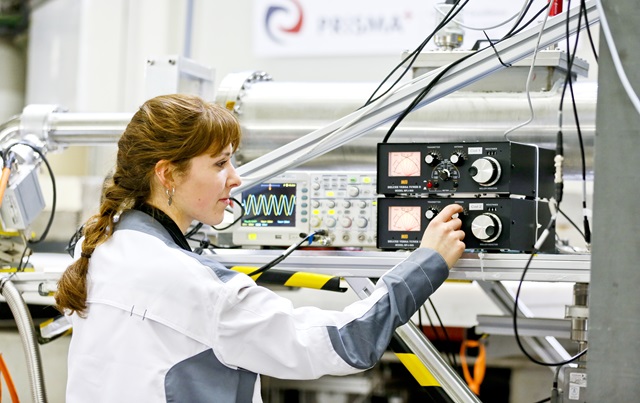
x,y
533,63
517,15
633,97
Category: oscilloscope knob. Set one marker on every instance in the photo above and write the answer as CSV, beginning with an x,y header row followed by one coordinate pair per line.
x,y
331,204
315,222
346,204
353,191
485,171
330,221
486,227
345,222
362,222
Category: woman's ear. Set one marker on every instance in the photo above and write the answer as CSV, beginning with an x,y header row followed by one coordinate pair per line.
x,y
164,173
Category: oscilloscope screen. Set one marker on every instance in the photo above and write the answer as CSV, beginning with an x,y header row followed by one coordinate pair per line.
x,y
270,205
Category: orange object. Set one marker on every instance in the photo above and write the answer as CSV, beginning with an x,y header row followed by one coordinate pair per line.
x,y
4,180
7,377
479,368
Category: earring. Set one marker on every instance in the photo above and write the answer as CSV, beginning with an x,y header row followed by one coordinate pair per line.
x,y
170,195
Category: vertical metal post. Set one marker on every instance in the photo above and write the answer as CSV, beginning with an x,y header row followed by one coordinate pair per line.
x,y
613,357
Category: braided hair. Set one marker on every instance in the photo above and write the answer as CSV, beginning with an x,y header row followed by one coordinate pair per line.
x,y
175,128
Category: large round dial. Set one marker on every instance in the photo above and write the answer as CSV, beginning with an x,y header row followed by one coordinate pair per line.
x,y
486,227
445,171
485,171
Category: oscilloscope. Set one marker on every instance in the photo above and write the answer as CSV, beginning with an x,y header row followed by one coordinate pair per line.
x,y
278,211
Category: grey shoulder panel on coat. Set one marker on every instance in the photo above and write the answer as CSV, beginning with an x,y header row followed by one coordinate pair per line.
x,y
138,221
202,378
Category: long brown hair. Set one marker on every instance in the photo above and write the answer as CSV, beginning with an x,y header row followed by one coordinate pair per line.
x,y
175,128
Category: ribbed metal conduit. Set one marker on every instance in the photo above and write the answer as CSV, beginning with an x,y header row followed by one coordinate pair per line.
x,y
27,336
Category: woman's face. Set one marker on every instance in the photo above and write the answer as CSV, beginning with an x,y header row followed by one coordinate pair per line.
x,y
202,193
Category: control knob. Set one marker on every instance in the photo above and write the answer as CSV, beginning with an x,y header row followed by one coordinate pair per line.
x,y
457,158
362,222
432,159
315,222
353,191
485,171
486,227
345,222
430,213
330,222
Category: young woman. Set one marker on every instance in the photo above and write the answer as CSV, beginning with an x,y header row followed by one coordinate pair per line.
x,y
155,322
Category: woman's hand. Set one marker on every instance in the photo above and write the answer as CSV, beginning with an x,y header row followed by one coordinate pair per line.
x,y
443,234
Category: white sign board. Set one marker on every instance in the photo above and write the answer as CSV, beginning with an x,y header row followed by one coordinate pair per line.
x,y
299,28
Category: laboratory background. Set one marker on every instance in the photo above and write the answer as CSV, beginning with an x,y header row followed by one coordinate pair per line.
x,y
361,120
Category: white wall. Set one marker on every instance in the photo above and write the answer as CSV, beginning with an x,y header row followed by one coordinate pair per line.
x,y
12,77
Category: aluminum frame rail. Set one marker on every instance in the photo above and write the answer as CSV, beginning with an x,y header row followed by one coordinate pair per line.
x,y
548,348
373,264
392,105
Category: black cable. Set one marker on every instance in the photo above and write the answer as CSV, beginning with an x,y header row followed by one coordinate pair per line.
x,y
519,20
415,53
515,309
548,399
287,252
444,329
572,223
450,356
423,93
568,81
528,22
242,211
583,7
22,265
71,245
53,187
429,87
205,243
193,231
495,50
